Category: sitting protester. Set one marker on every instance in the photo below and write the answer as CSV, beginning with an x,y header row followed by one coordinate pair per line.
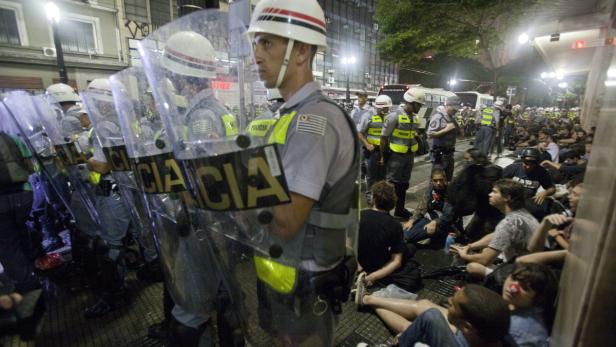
x,y
573,164
550,242
468,194
511,236
436,218
382,254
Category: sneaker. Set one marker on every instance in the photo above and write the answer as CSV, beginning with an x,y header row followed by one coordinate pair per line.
x,y
159,330
360,289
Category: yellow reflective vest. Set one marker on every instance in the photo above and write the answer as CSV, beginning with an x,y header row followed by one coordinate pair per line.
x,y
403,137
375,127
487,116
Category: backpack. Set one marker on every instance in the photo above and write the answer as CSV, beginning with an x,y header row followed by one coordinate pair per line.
x,y
12,167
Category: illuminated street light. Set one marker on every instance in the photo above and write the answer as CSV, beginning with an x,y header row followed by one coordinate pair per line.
x,y
347,61
523,38
563,85
53,15
560,75
544,75
53,12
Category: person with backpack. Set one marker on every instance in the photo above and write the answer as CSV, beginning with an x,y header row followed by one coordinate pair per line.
x,y
15,206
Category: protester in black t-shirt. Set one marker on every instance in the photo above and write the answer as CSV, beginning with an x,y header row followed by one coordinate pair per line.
x,y
382,254
531,175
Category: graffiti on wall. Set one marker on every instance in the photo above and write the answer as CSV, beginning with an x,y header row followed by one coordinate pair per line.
x,y
139,30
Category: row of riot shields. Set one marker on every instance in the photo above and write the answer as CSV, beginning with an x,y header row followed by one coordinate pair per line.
x,y
186,168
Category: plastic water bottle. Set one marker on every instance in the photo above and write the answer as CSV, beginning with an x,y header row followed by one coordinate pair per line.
x,y
451,239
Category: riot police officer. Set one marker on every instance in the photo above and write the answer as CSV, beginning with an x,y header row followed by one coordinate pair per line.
x,y
490,119
369,132
398,145
443,130
320,157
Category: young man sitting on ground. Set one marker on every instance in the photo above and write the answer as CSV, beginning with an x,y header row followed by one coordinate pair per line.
x,y
382,254
511,236
437,219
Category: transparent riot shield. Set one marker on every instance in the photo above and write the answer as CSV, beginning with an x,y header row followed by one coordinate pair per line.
x,y
26,126
102,113
70,141
191,276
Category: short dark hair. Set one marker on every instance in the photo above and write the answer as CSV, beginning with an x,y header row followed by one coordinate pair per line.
x,y
437,171
512,190
539,278
384,195
486,311
478,156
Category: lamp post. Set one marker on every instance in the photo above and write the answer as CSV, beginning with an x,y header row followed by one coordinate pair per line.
x,y
346,61
53,14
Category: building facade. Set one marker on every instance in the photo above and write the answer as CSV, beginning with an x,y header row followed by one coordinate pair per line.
x,y
99,38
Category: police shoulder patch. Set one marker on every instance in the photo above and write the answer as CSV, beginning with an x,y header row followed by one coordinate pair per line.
x,y
311,123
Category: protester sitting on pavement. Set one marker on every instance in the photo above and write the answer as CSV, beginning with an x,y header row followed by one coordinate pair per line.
x,y
572,165
468,194
547,145
550,242
382,254
436,214
476,316
511,236
531,175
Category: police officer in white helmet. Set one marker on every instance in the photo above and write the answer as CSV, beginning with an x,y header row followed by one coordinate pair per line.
x,y
64,94
398,145
320,157
369,132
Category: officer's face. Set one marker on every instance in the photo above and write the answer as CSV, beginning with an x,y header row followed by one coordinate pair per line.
x,y
361,100
269,54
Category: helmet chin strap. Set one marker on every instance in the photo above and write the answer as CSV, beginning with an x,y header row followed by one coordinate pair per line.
x,y
285,63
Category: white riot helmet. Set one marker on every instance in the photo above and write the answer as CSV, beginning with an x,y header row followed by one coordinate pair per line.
x,y
190,54
63,93
482,107
498,103
303,21
101,89
273,94
415,96
383,101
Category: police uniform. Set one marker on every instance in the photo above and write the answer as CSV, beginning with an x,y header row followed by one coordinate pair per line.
x,y
319,153
360,113
207,117
371,128
488,123
443,147
400,128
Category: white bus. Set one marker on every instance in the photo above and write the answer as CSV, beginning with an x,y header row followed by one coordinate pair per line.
x,y
475,99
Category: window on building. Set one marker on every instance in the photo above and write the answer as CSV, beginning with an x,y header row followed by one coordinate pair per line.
x,y
12,27
133,52
9,33
160,11
137,10
78,36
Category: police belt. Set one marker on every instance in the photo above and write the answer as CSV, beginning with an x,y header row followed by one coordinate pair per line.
x,y
443,150
489,126
329,288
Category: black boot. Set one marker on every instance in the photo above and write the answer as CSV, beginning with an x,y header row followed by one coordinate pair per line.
x,y
401,211
184,336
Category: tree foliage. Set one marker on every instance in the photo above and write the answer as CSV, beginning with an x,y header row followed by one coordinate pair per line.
x,y
464,28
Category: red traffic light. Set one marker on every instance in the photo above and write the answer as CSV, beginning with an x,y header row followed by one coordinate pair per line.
x,y
579,44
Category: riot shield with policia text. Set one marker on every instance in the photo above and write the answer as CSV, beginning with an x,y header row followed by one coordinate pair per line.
x,y
19,119
190,273
99,103
34,116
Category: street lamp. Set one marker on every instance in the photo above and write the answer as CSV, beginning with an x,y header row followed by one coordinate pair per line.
x,y
53,15
346,61
523,38
452,83
563,85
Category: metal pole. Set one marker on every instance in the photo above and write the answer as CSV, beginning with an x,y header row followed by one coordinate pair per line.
x,y
348,90
59,53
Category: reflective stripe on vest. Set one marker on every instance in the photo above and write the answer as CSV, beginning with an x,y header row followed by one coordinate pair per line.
x,y
279,277
260,127
375,128
487,116
403,136
228,120
525,115
279,133
93,176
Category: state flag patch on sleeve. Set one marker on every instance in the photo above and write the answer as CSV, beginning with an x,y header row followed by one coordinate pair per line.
x,y
311,123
